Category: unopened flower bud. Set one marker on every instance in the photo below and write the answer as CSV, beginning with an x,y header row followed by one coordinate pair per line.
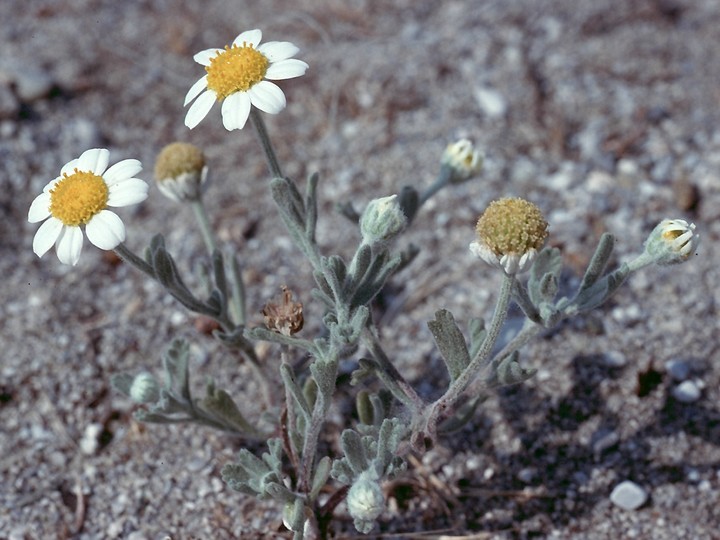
x,y
180,172
510,232
382,220
365,501
144,389
464,160
672,241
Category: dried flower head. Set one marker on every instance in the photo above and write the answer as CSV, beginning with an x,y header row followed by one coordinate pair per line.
x,y
464,160
510,232
180,171
672,241
283,315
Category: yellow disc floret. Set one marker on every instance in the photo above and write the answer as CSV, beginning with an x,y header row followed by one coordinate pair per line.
x,y
236,69
77,197
512,226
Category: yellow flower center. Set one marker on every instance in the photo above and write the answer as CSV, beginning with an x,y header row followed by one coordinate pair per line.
x,y
512,225
236,69
672,234
76,198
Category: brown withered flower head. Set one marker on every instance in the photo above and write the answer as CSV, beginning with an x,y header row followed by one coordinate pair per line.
x,y
283,315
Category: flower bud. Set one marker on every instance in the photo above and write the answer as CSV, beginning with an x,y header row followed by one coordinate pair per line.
x,y
180,172
365,501
144,389
382,220
510,232
672,241
464,160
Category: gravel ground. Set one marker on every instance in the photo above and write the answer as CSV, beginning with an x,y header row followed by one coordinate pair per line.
x,y
602,112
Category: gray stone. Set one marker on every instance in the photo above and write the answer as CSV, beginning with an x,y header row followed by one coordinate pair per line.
x,y
678,369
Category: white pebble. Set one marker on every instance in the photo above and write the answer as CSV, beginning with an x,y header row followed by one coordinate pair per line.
x,y
686,392
614,359
628,495
491,102
89,442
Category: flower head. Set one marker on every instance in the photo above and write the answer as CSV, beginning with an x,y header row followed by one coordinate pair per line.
x,y
382,220
510,232
180,171
672,241
283,315
463,159
79,197
236,76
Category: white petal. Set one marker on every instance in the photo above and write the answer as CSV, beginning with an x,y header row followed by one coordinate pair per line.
x,y
51,184
122,170
94,160
267,97
195,90
105,230
46,236
69,245
251,37
276,51
286,69
40,208
69,167
235,110
199,109
130,191
203,57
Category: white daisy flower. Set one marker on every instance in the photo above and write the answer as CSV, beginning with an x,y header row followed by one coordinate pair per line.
x,y
80,196
236,77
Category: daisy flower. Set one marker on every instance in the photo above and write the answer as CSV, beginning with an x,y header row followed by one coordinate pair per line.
x,y
236,77
80,196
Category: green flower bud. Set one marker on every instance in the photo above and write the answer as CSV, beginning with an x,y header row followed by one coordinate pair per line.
x,y
464,160
180,172
382,220
510,233
144,389
365,501
672,241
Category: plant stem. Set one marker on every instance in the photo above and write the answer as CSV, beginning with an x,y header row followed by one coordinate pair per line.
x,y
204,224
482,358
261,131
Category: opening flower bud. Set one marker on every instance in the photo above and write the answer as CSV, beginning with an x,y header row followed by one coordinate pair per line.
x,y
464,160
180,172
672,241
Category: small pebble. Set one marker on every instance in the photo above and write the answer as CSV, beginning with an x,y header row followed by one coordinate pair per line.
x,y
491,102
32,84
686,392
628,495
89,442
678,369
614,359
526,475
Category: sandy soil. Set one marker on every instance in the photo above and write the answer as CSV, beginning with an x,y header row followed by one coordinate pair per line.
x,y
604,113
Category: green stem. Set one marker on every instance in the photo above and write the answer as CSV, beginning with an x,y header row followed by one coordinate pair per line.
x,y
482,358
397,384
442,180
204,224
261,130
